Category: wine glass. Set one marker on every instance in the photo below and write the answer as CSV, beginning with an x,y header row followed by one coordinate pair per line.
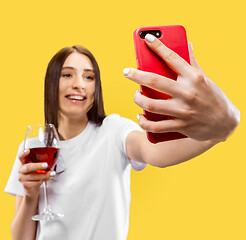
x,y
43,142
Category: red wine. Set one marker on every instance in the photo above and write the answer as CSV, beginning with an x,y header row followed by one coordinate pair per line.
x,y
43,154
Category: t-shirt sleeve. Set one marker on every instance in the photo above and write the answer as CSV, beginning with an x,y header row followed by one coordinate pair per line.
x,y
14,186
127,126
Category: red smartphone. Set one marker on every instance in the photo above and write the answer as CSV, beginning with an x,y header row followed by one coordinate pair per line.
x,y
175,38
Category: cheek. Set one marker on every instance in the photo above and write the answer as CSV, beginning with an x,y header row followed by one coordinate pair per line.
x,y
93,89
61,86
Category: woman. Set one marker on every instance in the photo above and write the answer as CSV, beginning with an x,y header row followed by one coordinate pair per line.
x,y
93,189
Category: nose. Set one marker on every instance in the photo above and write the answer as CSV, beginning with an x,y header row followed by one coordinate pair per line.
x,y
78,83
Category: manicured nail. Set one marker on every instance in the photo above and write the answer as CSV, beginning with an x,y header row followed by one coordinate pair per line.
x,y
52,174
126,71
150,38
138,116
25,151
44,165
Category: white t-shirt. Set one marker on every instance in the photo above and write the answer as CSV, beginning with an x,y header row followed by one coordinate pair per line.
x,y
92,186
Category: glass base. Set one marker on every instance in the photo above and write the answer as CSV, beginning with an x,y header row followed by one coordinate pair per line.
x,y
48,215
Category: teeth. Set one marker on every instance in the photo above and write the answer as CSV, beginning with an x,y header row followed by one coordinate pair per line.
x,y
75,97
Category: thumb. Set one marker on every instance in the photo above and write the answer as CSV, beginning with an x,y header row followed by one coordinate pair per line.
x,y
193,61
23,156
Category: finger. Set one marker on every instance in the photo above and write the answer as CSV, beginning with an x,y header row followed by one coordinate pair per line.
x,y
163,107
173,60
36,177
193,61
23,154
172,125
152,80
32,167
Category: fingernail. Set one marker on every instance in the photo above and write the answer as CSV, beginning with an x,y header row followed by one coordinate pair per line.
x,y
126,71
52,174
25,151
150,38
138,116
44,165
191,46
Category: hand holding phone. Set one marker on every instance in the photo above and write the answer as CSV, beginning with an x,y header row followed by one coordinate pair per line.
x,y
197,107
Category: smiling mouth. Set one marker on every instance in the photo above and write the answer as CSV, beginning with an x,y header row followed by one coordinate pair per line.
x,y
76,97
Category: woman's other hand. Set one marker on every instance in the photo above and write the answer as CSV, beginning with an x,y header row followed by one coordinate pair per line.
x,y
199,108
30,179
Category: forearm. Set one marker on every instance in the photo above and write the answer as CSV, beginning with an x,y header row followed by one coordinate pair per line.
x,y
23,227
174,152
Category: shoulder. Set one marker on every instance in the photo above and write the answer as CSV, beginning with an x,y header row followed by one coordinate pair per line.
x,y
116,121
21,147
119,127
112,118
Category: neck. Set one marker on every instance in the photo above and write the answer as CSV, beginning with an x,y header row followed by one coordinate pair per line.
x,y
69,128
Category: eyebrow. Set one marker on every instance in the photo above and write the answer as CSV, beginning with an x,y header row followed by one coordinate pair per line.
x,y
85,70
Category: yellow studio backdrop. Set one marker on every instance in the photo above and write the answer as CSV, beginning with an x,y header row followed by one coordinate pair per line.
x,y
202,199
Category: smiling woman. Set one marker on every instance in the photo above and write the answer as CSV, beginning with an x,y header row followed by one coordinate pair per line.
x,y
59,68
92,184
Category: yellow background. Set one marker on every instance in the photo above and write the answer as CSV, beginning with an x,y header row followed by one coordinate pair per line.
x,y
201,199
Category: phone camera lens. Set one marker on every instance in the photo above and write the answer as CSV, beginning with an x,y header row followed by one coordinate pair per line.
x,y
142,34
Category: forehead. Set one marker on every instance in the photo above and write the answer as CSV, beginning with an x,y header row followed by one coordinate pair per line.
x,y
78,61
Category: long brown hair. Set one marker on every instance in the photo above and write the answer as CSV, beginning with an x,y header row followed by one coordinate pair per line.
x,y
51,93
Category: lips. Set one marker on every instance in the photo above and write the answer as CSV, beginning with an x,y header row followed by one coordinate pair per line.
x,y
76,97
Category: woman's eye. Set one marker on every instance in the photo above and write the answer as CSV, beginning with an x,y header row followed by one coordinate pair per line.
x,y
67,75
89,77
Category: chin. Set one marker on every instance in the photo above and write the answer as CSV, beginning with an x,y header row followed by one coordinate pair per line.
x,y
72,115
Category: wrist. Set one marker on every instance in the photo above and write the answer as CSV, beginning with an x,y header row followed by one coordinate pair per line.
x,y
233,122
235,119
31,198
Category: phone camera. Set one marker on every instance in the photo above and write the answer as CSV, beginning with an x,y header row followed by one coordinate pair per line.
x,y
156,33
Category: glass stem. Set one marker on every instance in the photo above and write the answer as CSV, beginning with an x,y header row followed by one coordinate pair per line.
x,y
46,203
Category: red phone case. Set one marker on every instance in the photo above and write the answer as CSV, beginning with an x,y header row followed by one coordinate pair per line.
x,y
174,37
